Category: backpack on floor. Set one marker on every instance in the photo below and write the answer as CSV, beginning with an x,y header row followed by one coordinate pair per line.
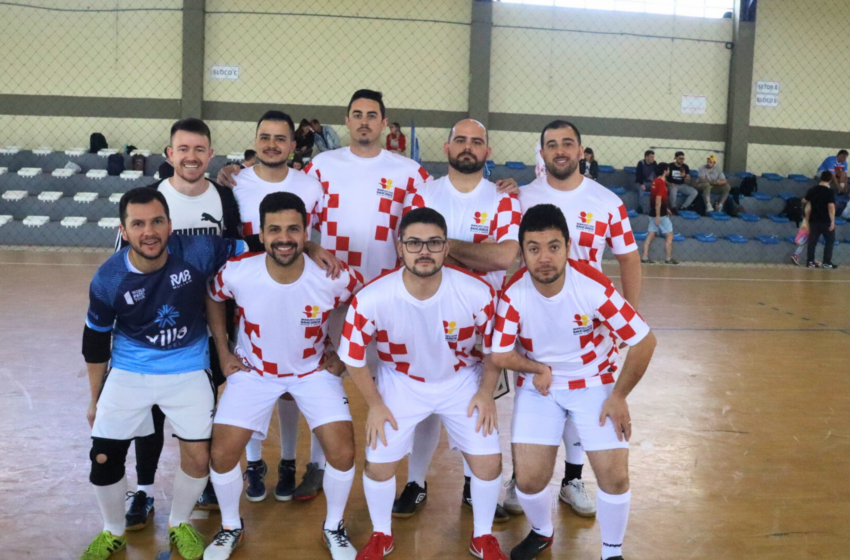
x,y
115,164
793,210
748,186
97,142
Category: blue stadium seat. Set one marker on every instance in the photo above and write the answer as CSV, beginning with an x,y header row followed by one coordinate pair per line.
x,y
607,169
777,218
840,221
743,174
748,217
772,176
735,238
514,165
761,196
678,237
705,237
799,178
688,215
768,239
629,169
822,242
640,235
617,190
632,213
694,173
719,216
490,163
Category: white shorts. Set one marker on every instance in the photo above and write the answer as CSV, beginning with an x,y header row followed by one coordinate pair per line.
x,y
124,406
412,401
335,323
249,400
540,420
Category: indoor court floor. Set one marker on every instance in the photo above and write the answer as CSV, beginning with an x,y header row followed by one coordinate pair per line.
x,y
741,445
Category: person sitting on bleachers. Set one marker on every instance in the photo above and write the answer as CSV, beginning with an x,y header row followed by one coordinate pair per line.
x,y
250,159
588,166
837,164
166,170
678,179
646,171
712,180
325,138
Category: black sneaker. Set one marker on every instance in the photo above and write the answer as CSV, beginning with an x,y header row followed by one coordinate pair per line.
x,y
531,546
501,514
829,265
406,504
208,500
140,512
285,488
254,474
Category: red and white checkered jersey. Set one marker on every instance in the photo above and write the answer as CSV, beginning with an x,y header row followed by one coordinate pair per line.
x,y
363,202
570,332
594,215
282,327
250,191
475,216
429,340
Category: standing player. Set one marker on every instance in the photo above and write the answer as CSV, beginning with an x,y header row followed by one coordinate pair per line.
x,y
483,225
151,296
562,313
283,298
596,217
427,319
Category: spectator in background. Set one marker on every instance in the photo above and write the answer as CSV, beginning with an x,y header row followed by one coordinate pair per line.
x,y
588,166
820,214
304,139
712,180
396,142
837,164
250,159
166,170
679,179
802,242
659,216
296,162
646,171
325,139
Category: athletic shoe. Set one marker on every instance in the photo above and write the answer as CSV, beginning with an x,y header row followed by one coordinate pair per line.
x,y
501,515
408,502
311,483
224,543
616,558
829,266
103,546
574,494
486,547
531,546
512,504
140,512
285,488
338,543
189,542
255,474
208,499
379,545
647,261
671,261
795,259
811,265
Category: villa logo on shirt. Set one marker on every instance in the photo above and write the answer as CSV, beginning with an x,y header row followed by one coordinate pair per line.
x,y
312,316
583,323
180,279
451,331
385,188
166,319
585,222
480,226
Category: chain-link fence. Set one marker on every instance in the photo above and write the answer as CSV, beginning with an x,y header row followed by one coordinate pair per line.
x,y
654,77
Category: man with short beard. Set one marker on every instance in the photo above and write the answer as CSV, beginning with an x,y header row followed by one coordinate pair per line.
x,y
596,218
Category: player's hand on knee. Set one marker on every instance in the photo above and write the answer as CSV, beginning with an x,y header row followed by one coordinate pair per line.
x,y
617,410
376,421
231,363
226,175
91,413
543,380
507,186
488,418
332,364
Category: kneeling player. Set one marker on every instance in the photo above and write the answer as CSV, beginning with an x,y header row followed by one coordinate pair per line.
x,y
427,319
282,299
563,314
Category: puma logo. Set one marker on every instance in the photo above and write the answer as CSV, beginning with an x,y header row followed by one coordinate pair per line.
x,y
207,218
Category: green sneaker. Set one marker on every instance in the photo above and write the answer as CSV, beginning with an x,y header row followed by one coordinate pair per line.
x,y
103,546
189,542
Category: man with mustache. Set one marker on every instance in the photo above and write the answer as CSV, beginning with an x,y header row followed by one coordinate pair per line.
x,y
426,319
146,314
596,218
483,225
284,301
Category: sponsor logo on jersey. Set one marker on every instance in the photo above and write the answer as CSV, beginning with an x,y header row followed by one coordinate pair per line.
x,y
385,188
166,319
451,331
312,316
480,225
198,231
135,296
180,279
585,222
583,324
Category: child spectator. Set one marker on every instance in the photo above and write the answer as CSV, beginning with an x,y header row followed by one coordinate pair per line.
x,y
659,216
396,142
802,240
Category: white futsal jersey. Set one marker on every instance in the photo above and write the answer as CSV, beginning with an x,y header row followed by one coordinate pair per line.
x,y
429,341
594,214
483,213
362,206
570,332
282,327
250,191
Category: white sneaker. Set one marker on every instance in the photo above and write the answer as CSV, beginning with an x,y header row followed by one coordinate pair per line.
x,y
512,504
574,494
338,543
224,543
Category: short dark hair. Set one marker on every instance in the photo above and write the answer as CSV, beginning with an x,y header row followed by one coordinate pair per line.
x,y
541,218
140,195
588,151
557,124
662,168
422,216
842,152
196,126
649,153
679,154
826,176
280,201
395,124
277,116
249,154
315,121
369,94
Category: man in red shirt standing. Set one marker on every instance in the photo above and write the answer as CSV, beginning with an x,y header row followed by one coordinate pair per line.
x,y
659,216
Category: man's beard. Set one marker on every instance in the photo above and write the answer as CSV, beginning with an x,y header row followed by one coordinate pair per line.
x,y
572,166
280,163
280,260
139,252
547,280
467,167
423,274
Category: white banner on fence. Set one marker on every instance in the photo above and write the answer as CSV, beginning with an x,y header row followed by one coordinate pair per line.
x,y
693,104
767,94
225,72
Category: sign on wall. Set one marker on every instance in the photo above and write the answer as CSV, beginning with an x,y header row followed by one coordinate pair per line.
x,y
225,72
693,104
767,94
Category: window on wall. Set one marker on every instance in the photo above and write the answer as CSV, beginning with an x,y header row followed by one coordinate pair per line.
x,y
693,8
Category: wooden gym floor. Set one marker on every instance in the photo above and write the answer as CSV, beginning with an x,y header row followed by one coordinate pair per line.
x,y
741,446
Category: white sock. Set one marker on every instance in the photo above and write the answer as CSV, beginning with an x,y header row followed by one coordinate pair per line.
x,y
426,437
287,417
228,490
254,450
380,497
612,511
485,498
538,510
317,454
572,443
185,494
467,472
146,488
337,486
111,501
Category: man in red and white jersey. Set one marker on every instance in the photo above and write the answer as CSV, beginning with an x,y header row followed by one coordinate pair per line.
x,y
596,218
282,298
554,325
483,226
426,319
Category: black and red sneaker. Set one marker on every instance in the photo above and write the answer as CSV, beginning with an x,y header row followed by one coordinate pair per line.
x,y
531,546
